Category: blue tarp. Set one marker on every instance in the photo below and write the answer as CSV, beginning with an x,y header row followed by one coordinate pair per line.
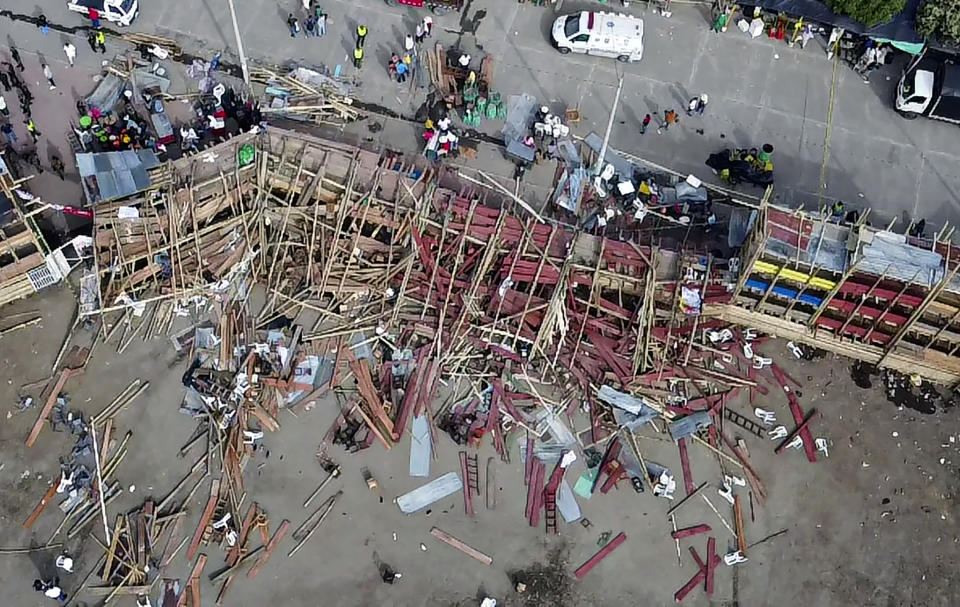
x,y
786,292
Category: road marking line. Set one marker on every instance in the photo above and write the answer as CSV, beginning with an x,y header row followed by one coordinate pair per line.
x,y
829,129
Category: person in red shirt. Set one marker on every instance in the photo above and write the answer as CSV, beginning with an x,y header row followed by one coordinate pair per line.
x,y
94,15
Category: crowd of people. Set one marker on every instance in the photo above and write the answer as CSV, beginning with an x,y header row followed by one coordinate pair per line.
x,y
12,79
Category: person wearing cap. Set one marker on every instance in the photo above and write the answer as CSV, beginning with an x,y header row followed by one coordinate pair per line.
x,y
703,104
697,105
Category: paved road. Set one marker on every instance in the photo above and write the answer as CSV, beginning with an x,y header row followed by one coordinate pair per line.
x,y
761,91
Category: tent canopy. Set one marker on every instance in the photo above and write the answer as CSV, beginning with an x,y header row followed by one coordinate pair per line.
x,y
900,31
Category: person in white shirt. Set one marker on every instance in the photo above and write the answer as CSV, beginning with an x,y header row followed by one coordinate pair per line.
x,y
71,52
50,590
65,562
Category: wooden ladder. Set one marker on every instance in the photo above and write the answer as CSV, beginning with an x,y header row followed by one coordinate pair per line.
x,y
550,507
471,480
747,424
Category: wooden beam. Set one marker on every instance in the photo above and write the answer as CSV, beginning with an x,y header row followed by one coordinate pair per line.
x,y
65,374
812,415
271,546
205,517
192,586
448,539
679,534
601,554
919,311
51,491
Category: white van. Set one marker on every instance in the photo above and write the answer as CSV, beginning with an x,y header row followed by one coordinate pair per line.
x,y
603,34
121,12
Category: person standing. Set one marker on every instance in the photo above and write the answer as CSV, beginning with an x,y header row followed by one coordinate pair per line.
x,y
101,42
5,80
358,57
48,74
428,26
408,43
669,117
420,33
32,129
310,26
4,110
94,15
293,24
361,35
8,133
697,105
402,70
321,23
92,40
71,52
645,124
15,55
57,165
43,24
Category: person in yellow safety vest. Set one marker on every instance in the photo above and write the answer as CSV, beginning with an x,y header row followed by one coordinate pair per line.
x,y
32,129
361,35
101,42
358,57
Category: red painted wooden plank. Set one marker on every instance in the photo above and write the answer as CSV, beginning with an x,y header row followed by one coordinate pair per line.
x,y
711,564
592,562
810,417
613,476
537,488
797,412
685,466
467,491
679,534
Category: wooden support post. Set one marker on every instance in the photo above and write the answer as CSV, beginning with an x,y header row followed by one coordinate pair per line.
x,y
812,323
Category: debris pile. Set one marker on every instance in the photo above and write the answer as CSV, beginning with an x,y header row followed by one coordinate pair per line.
x,y
426,300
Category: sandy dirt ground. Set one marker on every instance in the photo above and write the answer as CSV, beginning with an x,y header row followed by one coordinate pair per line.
x,y
872,524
